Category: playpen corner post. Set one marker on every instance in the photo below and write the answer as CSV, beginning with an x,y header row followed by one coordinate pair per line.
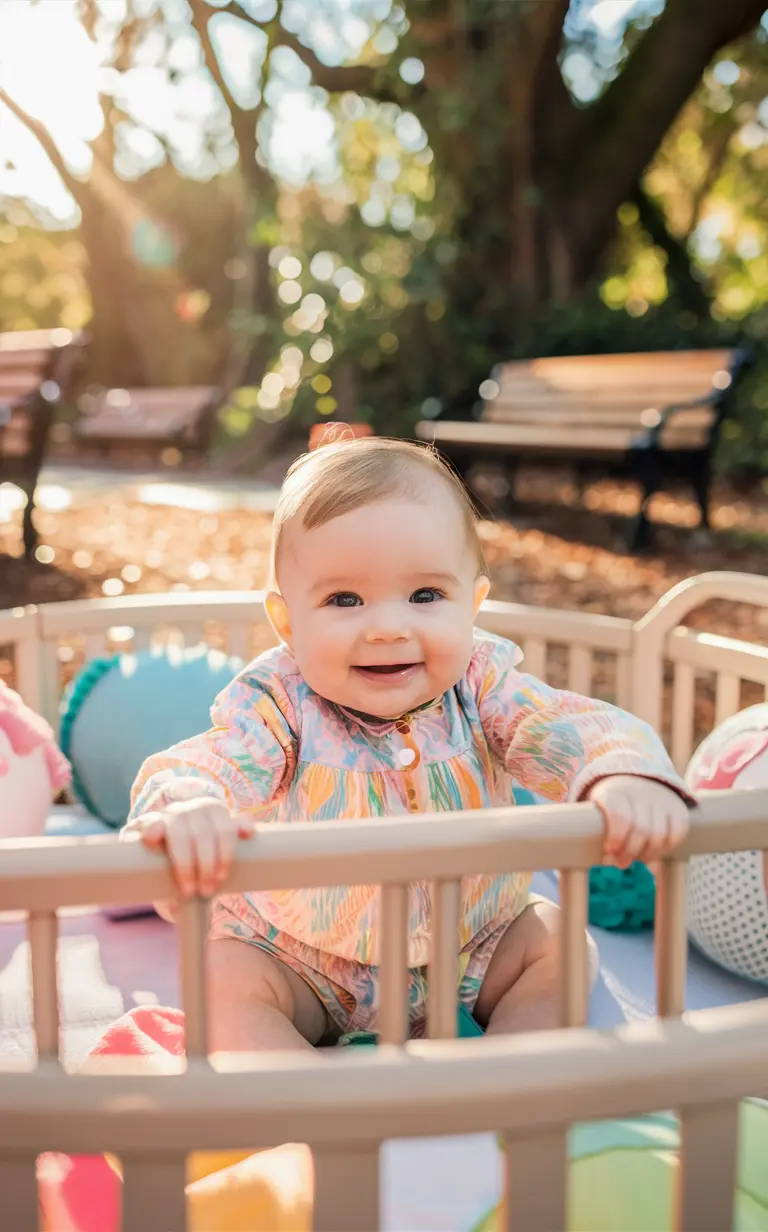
x,y
28,662
647,667
671,938
574,952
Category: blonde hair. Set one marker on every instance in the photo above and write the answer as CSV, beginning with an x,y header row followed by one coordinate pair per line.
x,y
340,477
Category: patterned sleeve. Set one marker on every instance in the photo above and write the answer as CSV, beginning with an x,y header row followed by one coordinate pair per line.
x,y
245,758
555,743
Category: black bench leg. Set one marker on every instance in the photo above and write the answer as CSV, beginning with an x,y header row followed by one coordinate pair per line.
x,y
700,481
510,474
29,533
645,464
581,478
640,532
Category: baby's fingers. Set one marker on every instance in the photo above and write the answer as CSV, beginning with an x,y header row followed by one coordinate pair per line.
x,y
152,830
180,849
619,818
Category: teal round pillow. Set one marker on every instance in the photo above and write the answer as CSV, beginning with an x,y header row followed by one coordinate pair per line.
x,y
120,710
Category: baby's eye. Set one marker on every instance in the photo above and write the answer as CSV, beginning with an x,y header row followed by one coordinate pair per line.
x,y
427,594
344,599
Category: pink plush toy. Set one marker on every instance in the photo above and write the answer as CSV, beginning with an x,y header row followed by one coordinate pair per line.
x,y
32,769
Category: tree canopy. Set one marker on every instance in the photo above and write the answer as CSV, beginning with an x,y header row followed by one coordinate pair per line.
x,y
366,204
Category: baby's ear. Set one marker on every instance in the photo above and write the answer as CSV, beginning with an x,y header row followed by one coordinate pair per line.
x,y
482,587
277,614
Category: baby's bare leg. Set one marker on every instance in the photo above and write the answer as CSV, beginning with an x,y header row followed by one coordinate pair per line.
x,y
258,1003
521,989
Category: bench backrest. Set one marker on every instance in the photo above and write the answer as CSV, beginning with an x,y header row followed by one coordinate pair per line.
x,y
33,368
146,414
606,390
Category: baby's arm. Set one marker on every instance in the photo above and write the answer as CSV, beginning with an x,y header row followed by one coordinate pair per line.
x,y
197,798
565,747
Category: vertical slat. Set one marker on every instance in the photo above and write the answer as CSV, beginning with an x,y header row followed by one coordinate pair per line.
x,y
682,715
18,1194
50,690
239,640
708,1165
154,1195
142,638
727,696
192,932
671,939
574,955
535,656
444,967
94,645
28,673
192,633
393,975
580,669
43,932
536,1194
624,681
346,1189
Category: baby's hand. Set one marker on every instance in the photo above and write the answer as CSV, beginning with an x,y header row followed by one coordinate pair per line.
x,y
644,819
198,837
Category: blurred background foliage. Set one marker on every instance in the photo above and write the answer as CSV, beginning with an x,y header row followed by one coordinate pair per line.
x,y
356,208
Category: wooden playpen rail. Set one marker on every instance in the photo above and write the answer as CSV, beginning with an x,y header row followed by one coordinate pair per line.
x,y
529,1088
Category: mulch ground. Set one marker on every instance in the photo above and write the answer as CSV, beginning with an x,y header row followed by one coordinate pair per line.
x,y
554,552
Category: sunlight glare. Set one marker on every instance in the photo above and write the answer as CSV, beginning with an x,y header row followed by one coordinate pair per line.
x,y
50,67
608,15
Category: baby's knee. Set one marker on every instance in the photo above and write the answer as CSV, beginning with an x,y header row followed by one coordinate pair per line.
x,y
242,973
531,944
549,934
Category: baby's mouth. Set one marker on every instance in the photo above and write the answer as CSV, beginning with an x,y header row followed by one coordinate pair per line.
x,y
385,669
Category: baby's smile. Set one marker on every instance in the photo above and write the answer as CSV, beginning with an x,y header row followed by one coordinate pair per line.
x,y
385,673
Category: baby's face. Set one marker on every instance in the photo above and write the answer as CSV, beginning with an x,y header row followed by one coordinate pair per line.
x,y
381,602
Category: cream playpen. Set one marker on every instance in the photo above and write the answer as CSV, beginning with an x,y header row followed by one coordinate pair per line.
x,y
529,1089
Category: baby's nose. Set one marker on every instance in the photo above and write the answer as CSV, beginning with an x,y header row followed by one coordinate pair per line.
x,y
389,624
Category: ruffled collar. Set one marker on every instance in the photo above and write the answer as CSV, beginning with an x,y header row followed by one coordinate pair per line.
x,y
383,727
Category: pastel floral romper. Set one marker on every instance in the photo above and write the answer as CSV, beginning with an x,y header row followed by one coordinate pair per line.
x,y
281,752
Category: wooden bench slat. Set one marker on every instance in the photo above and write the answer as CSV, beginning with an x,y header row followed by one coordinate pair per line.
x,y
586,366
145,414
598,440
627,384
13,389
26,361
598,417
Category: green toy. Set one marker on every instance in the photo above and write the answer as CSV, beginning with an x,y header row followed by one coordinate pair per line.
x,y
622,899
466,1028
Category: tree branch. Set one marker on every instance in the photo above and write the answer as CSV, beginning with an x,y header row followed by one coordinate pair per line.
x,y
689,290
618,136
336,79
626,125
45,140
717,153
243,120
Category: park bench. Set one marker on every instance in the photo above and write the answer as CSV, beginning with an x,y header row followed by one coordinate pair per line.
x,y
650,416
36,368
135,420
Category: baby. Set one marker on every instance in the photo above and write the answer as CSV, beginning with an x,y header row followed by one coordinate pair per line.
x,y
383,699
